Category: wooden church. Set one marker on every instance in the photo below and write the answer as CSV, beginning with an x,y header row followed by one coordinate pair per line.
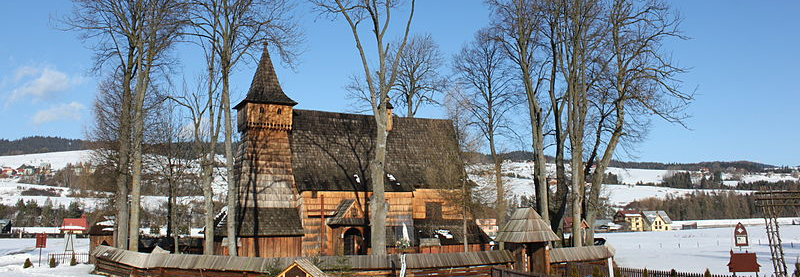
x,y
304,187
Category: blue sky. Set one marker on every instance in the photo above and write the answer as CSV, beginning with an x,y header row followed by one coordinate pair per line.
x,y
743,57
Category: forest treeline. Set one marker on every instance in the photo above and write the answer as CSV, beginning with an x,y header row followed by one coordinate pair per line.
x,y
520,156
40,144
701,205
45,144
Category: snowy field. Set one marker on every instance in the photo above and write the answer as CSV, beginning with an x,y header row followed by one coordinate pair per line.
x,y
696,250
13,253
57,160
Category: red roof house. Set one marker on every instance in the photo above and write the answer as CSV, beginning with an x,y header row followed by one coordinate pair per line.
x,y
74,225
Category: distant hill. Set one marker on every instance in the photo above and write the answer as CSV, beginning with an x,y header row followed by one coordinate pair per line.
x,y
518,156
39,144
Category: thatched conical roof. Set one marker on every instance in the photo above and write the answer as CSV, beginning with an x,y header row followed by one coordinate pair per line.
x,y
526,226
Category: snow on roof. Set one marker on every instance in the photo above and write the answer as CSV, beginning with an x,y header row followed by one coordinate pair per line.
x,y
630,213
665,217
651,216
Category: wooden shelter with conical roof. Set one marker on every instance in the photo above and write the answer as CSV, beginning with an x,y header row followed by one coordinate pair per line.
x,y
528,237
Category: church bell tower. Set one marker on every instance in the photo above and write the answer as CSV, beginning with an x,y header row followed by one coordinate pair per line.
x,y
267,197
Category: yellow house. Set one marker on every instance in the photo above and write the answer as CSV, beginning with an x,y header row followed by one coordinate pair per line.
x,y
656,221
631,220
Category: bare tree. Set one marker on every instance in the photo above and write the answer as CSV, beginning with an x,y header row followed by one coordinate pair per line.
x,y
467,142
515,26
488,97
162,24
132,36
114,29
173,161
232,29
579,32
205,113
551,14
418,79
377,13
641,78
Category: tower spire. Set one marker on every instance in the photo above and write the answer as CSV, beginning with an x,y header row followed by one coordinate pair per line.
x,y
265,88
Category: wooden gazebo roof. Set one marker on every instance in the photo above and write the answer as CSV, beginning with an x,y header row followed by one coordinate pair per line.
x,y
526,226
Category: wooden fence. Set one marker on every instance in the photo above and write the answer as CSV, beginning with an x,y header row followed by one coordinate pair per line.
x,y
589,270
65,258
116,262
636,272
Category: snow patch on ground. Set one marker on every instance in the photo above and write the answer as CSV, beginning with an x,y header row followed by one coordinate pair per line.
x,y
13,253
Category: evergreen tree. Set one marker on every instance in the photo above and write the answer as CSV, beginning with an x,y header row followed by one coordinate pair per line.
x,y
73,261
27,263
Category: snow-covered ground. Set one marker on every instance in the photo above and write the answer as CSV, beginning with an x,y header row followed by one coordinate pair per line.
x,y
13,253
57,160
696,250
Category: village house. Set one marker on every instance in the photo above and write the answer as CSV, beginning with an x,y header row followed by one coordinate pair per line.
x,y
26,170
7,172
631,220
304,187
656,221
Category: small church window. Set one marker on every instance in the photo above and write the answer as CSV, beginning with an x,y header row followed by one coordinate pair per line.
x,y
280,111
261,110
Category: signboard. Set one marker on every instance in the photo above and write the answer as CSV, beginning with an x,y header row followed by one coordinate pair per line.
x,y
41,240
743,262
740,236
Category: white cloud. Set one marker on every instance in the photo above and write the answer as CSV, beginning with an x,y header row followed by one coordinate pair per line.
x,y
39,83
71,111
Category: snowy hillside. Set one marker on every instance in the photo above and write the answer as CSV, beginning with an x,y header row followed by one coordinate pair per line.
x,y
621,195
518,179
57,160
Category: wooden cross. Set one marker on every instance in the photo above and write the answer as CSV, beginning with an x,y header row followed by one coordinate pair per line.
x,y
322,215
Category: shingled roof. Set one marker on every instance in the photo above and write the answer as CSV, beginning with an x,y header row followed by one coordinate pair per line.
x,y
271,222
332,151
526,226
265,88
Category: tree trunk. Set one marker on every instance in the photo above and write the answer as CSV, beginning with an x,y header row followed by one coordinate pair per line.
x,y
208,204
123,207
501,206
377,205
600,170
540,169
174,220
229,159
577,195
142,84
122,218
464,207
